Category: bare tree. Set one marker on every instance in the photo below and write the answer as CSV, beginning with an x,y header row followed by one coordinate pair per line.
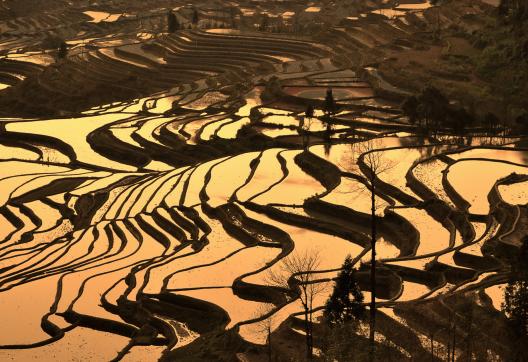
x,y
296,271
374,165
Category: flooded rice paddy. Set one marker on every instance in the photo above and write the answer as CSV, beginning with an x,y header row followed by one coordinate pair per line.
x,y
125,225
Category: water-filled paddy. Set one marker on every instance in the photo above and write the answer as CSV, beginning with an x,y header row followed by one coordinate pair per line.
x,y
154,177
473,180
338,93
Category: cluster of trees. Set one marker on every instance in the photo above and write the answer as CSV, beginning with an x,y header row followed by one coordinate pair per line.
x,y
431,111
174,25
514,10
329,108
225,19
343,311
515,304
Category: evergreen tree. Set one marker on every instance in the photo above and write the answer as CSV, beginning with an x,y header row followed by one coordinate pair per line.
x,y
346,302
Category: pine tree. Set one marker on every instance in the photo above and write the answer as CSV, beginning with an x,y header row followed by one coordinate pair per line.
x,y
346,302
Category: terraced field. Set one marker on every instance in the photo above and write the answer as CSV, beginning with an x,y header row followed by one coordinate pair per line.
x,y
141,216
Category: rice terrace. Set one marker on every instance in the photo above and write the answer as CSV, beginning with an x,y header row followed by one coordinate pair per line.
x,y
263,180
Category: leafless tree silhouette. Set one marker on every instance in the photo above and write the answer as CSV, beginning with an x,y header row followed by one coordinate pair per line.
x,y
297,270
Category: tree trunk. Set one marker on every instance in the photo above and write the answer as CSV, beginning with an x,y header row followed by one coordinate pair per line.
x,y
269,344
307,327
449,331
372,324
454,341
310,325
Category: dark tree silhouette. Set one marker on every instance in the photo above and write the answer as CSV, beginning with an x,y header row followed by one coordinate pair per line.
x,y
195,17
265,325
298,270
515,304
515,10
63,50
305,125
503,8
459,119
430,111
491,122
375,165
264,24
329,105
522,123
172,21
309,111
346,302
433,107
232,16
410,108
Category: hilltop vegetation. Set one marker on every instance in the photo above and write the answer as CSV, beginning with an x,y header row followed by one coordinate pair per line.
x,y
503,60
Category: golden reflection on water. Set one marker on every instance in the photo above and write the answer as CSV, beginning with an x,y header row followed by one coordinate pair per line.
x,y
62,130
473,180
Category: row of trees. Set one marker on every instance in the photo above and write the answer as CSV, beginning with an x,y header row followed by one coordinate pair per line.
x,y
431,111
174,25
